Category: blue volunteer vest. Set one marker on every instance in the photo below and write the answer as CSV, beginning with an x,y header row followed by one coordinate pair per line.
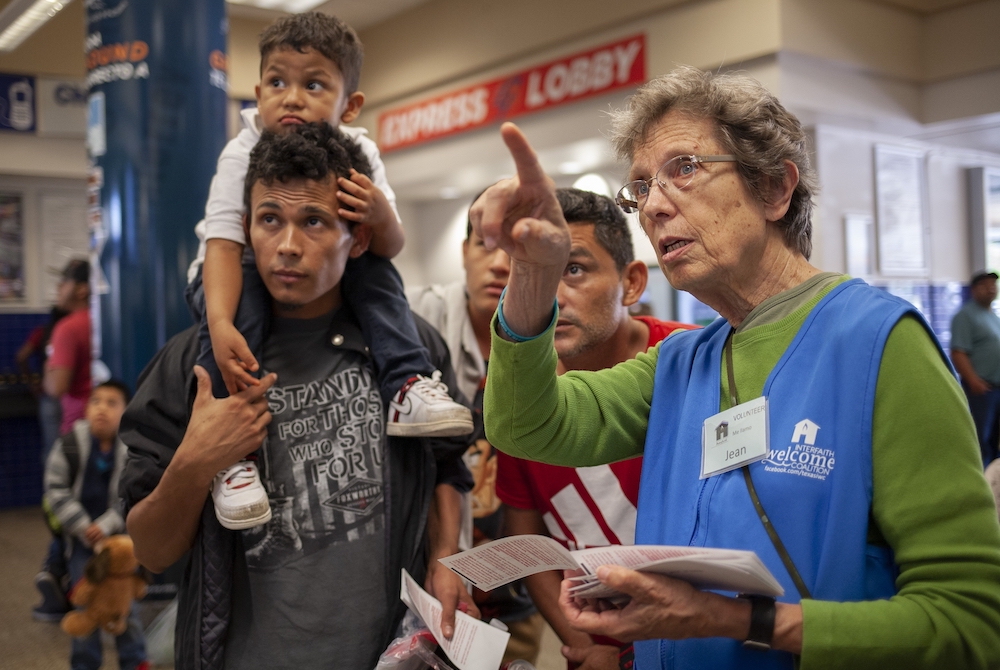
x,y
815,485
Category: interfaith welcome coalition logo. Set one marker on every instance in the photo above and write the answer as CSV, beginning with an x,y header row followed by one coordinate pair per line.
x,y
802,457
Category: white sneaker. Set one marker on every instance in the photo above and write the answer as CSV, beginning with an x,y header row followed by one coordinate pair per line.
x,y
240,498
423,408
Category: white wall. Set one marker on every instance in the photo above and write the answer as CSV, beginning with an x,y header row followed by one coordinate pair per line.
x,y
845,163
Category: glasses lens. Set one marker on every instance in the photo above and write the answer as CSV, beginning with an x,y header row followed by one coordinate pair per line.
x,y
678,172
632,196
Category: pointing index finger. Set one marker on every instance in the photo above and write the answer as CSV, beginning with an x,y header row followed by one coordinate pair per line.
x,y
529,170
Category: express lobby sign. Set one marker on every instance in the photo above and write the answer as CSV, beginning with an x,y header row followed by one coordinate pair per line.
x,y
607,68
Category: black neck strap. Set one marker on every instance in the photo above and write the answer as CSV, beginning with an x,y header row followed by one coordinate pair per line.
x,y
779,546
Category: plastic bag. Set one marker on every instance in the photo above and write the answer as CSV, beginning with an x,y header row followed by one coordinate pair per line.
x,y
413,649
160,636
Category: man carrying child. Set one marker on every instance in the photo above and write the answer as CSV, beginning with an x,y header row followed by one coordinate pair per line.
x,y
317,586
310,67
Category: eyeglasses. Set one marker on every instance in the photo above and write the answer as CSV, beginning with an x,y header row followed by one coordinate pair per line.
x,y
677,173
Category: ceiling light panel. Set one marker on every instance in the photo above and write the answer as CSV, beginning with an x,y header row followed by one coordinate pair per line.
x,y
290,6
21,18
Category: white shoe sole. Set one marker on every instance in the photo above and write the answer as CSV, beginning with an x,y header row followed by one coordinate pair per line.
x,y
245,523
449,428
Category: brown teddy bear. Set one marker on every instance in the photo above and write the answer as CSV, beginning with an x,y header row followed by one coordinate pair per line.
x,y
111,581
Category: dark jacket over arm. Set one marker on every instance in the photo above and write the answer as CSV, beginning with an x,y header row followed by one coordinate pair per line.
x,y
154,425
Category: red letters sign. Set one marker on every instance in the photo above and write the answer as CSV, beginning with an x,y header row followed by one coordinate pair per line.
x,y
579,76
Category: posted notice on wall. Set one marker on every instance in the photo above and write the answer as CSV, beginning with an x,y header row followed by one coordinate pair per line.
x,y
476,645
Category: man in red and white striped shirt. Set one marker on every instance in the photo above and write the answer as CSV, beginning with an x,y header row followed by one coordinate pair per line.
x,y
595,506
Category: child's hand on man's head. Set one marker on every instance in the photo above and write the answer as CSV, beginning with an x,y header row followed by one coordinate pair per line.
x,y
369,203
233,357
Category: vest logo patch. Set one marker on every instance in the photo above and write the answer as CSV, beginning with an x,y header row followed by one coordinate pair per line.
x,y
802,457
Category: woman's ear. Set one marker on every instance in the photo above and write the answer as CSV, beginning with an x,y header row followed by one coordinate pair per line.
x,y
780,193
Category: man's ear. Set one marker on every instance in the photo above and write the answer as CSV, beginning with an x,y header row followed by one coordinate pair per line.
x,y
256,92
780,196
246,227
634,278
352,107
361,237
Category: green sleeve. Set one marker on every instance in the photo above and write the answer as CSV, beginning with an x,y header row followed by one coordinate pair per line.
x,y
576,419
934,508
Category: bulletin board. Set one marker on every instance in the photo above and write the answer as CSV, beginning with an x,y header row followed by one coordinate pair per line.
x,y
11,247
900,212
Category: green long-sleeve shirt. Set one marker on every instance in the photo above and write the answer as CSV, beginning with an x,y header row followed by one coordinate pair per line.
x,y
930,502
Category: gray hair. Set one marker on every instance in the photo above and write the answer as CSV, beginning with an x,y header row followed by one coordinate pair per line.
x,y
752,124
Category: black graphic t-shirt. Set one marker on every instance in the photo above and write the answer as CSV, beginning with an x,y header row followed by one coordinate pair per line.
x,y
315,592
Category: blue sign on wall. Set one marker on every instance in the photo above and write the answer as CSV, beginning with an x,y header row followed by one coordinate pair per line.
x,y
17,103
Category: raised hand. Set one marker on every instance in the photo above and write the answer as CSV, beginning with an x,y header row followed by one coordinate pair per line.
x,y
522,216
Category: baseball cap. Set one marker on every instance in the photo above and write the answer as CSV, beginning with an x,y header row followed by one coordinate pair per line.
x,y
77,270
979,276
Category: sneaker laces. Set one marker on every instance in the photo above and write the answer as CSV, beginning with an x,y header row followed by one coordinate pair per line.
x,y
431,387
238,476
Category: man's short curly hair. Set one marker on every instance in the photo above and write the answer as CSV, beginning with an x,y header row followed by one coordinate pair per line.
x,y
320,32
610,227
313,151
751,124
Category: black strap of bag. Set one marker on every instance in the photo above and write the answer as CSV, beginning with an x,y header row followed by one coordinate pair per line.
x,y
779,546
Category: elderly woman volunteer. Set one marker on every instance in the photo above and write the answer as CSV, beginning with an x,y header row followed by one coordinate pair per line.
x,y
817,424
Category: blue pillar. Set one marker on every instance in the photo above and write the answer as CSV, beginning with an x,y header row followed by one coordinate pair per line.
x,y
156,125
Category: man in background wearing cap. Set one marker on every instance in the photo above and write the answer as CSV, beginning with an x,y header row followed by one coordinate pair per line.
x,y
975,351
66,378
67,370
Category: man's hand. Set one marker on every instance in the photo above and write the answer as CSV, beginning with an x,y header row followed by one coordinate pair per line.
x,y
522,216
371,207
93,534
449,588
233,356
977,386
222,431
592,657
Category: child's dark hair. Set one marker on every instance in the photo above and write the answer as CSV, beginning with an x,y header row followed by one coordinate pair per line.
x,y
321,32
117,385
311,151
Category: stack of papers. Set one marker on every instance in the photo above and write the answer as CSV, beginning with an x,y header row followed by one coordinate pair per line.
x,y
475,645
502,561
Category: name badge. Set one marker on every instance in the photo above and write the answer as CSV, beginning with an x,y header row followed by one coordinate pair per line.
x,y
734,438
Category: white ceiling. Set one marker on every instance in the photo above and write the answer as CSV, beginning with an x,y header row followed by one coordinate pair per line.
x,y
359,14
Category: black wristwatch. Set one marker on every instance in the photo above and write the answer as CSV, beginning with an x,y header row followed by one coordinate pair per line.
x,y
761,622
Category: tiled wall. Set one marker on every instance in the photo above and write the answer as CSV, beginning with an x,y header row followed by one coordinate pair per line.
x,y
20,439
937,302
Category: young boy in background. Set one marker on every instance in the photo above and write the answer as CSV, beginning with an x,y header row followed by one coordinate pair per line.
x,y
81,490
310,66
